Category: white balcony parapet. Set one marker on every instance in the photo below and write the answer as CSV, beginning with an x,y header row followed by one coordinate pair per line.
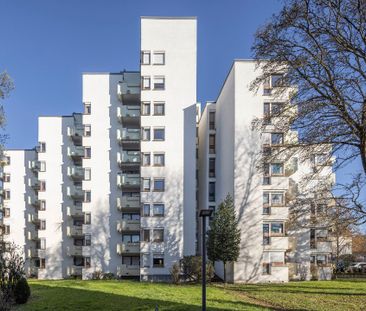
x,y
128,247
128,270
74,231
128,225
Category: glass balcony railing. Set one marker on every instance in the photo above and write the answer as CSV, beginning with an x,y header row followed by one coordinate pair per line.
x,y
130,157
129,180
130,134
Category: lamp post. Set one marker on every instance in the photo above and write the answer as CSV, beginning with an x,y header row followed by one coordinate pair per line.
x,y
204,213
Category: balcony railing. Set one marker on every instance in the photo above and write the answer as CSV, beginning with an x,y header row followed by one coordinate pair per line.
x,y
129,180
129,113
128,247
76,173
74,211
128,225
128,202
35,166
74,231
32,235
76,152
76,134
128,92
130,157
128,270
34,219
74,250
75,192
130,135
74,270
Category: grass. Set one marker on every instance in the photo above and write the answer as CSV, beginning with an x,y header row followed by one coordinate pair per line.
x,y
128,295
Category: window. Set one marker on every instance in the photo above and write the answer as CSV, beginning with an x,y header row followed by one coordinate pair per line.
x,y
211,192
42,244
6,212
158,235
87,263
41,147
266,268
42,225
159,83
159,159
266,239
277,199
146,260
41,263
145,57
131,238
265,198
87,130
211,168
276,138
159,58
277,228
42,166
319,159
145,108
159,184
87,108
158,260
87,173
87,240
130,216
146,159
158,209
159,133
131,260
6,194
277,80
276,168
211,121
145,133
212,144
145,184
87,218
146,235
7,177
87,152
87,196
42,205
6,229
321,260
146,83
146,210
159,109
42,185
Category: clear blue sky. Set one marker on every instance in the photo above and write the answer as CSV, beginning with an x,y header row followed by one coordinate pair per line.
x,y
47,44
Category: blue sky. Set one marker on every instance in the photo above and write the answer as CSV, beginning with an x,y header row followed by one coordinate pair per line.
x,y
47,44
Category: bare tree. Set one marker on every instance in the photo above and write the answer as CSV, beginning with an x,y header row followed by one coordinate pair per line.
x,y
319,46
6,85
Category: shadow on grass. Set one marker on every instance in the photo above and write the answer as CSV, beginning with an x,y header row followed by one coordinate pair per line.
x,y
57,298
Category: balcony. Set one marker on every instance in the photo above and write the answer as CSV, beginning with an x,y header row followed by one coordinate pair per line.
x,y
36,185
129,136
74,231
35,166
35,202
128,248
129,92
129,114
32,252
278,243
75,271
129,158
76,153
32,235
75,211
128,225
129,181
74,250
34,219
76,134
128,202
76,193
128,270
76,173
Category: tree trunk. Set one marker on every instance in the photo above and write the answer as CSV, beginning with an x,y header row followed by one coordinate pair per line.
x,y
225,272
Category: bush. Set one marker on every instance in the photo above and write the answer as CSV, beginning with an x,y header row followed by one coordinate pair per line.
x,y
108,276
175,273
192,269
97,275
21,291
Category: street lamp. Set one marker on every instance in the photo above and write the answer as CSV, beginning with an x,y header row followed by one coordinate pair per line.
x,y
204,213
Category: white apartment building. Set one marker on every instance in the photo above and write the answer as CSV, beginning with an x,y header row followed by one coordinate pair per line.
x,y
114,189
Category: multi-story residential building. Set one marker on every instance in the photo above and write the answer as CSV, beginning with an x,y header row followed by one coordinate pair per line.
x,y
118,187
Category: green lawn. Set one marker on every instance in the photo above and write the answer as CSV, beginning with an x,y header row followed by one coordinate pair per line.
x,y
129,295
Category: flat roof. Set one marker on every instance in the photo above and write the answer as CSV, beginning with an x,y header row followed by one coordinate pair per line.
x,y
168,17
109,73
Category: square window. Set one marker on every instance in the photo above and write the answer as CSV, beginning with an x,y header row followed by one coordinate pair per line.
x,y
87,218
158,209
276,138
159,58
158,235
276,168
158,260
41,147
277,198
146,83
159,159
159,184
159,109
145,108
145,58
159,83
277,228
159,133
